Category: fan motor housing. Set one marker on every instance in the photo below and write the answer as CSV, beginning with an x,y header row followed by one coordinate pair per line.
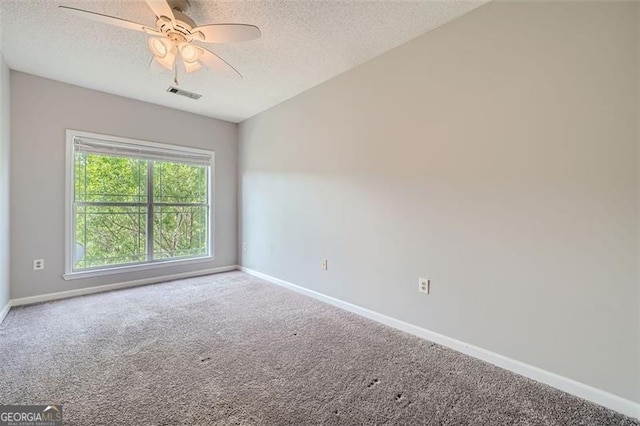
x,y
180,31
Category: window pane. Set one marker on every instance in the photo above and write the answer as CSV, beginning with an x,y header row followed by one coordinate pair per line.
x,y
117,220
101,178
179,183
179,231
109,235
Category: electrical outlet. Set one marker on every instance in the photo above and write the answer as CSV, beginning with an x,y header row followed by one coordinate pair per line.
x,y
325,265
38,264
423,285
244,246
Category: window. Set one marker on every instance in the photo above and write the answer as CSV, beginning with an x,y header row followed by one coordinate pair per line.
x,y
135,204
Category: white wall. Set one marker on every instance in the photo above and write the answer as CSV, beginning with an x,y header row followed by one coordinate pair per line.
x,y
496,155
4,183
41,110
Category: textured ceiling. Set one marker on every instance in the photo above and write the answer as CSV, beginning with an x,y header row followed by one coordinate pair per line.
x,y
303,43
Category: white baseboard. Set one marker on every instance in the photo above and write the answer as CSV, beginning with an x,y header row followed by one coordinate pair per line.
x,y
565,384
108,287
5,311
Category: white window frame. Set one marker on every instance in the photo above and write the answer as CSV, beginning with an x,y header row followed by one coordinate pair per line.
x,y
70,242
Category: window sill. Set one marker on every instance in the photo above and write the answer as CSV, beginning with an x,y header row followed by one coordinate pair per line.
x,y
133,268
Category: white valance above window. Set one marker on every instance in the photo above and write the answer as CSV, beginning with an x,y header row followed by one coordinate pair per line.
x,y
145,152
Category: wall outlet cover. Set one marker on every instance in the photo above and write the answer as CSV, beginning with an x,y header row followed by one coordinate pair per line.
x,y
423,285
38,264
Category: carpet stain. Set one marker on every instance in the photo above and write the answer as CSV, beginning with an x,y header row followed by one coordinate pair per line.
x,y
373,383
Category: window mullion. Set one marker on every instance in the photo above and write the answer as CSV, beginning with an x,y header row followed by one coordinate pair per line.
x,y
150,210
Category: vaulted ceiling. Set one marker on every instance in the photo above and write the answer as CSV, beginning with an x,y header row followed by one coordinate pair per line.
x,y
303,43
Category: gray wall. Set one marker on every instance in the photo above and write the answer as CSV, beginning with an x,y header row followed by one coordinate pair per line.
x,y
41,110
497,156
4,183
638,159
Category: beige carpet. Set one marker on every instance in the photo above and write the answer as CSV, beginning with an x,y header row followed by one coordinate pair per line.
x,y
231,349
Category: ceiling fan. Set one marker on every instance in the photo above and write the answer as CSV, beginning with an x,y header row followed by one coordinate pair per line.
x,y
173,42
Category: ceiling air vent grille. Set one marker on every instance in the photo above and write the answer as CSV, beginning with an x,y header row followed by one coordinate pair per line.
x,y
182,92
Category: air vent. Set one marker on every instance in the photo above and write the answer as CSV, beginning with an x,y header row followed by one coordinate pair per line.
x,y
182,92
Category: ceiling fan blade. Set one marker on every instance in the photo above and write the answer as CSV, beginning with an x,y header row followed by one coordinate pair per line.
x,y
156,67
161,8
227,33
106,19
214,61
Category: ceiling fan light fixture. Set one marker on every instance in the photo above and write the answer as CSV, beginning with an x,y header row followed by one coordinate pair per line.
x,y
190,67
159,47
189,53
167,61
